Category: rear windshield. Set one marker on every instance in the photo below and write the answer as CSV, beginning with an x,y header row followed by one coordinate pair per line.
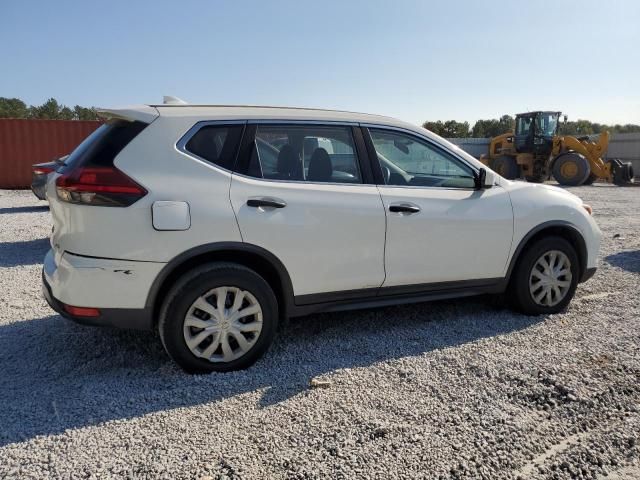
x,y
101,147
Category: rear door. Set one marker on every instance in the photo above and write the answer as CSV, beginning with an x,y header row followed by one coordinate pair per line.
x,y
439,227
302,192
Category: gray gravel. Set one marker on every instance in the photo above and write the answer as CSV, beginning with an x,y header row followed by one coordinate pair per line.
x,y
457,389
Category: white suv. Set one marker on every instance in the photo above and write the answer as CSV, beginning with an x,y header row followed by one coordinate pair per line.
x,y
214,224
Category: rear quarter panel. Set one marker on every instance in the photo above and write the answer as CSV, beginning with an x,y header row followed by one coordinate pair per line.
x,y
153,161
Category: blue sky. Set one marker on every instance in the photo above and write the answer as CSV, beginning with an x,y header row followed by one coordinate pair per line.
x,y
411,59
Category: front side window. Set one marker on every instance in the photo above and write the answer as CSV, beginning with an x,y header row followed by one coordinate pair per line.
x,y
408,161
216,144
311,153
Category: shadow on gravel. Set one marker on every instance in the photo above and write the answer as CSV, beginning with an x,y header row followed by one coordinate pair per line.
x,y
27,209
27,252
629,261
56,375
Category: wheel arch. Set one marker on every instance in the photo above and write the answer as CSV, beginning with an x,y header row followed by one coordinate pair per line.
x,y
251,256
558,228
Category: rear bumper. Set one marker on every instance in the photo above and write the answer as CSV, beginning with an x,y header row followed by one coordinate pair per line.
x,y
588,273
130,318
118,289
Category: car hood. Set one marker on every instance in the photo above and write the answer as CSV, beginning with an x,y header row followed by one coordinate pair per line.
x,y
535,189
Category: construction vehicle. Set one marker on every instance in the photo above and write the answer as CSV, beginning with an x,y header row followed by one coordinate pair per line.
x,y
536,152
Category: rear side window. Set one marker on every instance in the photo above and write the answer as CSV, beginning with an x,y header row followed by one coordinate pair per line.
x,y
216,144
312,153
101,147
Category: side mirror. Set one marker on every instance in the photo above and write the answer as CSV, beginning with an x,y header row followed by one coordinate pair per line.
x,y
484,179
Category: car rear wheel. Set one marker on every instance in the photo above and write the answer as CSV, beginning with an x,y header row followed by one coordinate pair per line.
x,y
219,317
545,278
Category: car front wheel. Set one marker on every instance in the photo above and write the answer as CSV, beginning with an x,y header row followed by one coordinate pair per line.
x,y
545,278
219,317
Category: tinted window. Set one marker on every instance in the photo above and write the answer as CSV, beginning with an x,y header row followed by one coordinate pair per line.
x,y
523,125
103,145
547,124
305,153
406,160
216,144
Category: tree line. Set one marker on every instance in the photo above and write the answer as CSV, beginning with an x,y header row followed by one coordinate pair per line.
x,y
50,110
506,123
53,110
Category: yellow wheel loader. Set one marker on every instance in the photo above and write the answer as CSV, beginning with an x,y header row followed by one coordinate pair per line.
x,y
536,152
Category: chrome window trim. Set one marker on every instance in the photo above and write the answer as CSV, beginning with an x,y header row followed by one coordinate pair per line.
x,y
422,187
303,182
328,123
181,144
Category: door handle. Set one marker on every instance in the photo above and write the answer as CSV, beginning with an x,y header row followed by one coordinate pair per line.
x,y
266,202
408,208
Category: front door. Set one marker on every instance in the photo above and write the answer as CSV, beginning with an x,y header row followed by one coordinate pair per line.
x,y
439,228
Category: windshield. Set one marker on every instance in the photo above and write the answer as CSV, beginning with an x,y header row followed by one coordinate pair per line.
x,y
547,124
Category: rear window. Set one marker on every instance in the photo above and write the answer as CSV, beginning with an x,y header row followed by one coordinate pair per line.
x,y
216,144
101,147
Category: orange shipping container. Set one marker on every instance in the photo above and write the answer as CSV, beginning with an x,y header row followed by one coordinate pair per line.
x,y
25,142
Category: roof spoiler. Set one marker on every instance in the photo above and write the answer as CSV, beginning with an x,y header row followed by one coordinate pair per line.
x,y
133,113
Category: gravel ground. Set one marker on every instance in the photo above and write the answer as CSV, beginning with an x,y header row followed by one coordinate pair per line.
x,y
457,389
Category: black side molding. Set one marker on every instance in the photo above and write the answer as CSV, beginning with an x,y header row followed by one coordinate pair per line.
x,y
588,273
399,295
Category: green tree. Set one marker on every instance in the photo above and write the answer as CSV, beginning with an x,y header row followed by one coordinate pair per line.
x,y
448,129
507,124
66,114
13,108
435,127
83,113
493,127
580,127
48,110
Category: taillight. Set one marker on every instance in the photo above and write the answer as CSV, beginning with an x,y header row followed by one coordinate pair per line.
x,y
42,170
101,186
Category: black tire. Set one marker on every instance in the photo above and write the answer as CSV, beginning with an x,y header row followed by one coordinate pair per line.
x,y
194,284
590,179
506,167
535,178
518,292
622,173
571,169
